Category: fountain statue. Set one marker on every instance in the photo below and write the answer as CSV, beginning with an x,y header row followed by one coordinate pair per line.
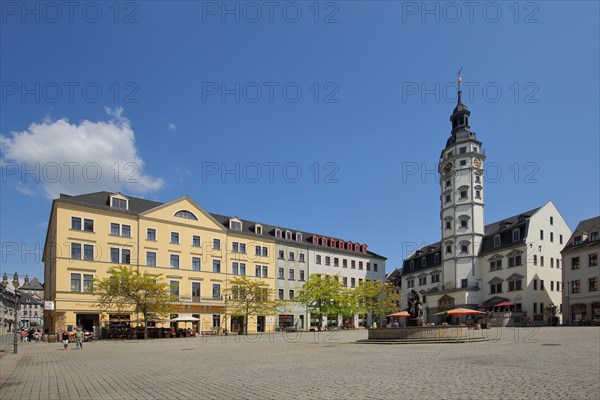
x,y
415,308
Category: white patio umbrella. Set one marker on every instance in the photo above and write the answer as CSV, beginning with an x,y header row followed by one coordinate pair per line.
x,y
185,319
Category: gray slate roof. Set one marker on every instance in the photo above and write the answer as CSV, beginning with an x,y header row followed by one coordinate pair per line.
x,y
586,226
33,284
139,205
503,227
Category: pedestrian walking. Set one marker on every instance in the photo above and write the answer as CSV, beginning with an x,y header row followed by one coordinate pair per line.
x,y
79,339
23,335
65,340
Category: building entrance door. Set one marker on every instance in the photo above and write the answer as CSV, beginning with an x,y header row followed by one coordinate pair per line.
x,y
87,322
260,323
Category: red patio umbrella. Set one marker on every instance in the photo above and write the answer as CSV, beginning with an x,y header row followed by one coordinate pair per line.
x,y
504,304
462,311
399,314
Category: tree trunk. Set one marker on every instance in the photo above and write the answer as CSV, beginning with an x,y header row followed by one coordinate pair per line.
x,y
320,324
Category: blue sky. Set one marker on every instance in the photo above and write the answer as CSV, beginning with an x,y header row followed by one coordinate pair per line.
x,y
169,96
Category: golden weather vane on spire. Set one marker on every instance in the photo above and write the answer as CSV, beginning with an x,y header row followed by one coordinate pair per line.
x,y
459,79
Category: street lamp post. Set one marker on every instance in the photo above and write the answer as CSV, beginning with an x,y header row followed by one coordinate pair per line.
x,y
16,323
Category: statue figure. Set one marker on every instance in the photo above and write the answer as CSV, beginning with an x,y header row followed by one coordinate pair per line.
x,y
415,307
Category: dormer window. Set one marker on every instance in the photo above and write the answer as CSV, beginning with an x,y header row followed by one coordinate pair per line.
x,y
576,240
258,229
349,246
516,235
341,244
324,241
278,233
298,237
594,236
497,241
119,201
423,261
315,240
332,243
288,235
235,224
364,248
186,214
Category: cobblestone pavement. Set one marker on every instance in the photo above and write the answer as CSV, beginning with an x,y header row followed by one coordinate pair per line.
x,y
549,363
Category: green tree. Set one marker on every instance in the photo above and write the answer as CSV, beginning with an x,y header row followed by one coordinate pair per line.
x,y
323,295
377,298
126,289
246,297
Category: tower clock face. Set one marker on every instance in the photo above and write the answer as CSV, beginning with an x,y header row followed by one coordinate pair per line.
x,y
448,168
477,162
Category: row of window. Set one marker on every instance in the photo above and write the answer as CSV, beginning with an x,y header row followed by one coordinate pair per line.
x,y
436,260
434,278
82,283
513,285
196,291
592,285
553,287
290,294
463,248
592,261
339,244
448,183
336,263
291,256
515,261
87,226
535,261
577,240
291,274
462,150
560,238
462,195
288,235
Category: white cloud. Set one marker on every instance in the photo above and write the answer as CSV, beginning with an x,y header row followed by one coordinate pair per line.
x,y
25,189
172,126
62,157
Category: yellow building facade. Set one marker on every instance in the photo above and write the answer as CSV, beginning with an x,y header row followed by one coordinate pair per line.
x,y
195,252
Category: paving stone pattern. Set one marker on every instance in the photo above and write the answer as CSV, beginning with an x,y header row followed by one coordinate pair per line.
x,y
546,363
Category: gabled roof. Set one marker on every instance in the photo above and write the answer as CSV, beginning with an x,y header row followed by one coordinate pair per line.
x,y
584,227
33,284
504,228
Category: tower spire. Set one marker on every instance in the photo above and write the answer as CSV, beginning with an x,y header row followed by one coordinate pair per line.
x,y
460,115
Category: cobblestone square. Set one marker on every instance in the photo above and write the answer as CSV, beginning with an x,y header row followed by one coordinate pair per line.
x,y
525,363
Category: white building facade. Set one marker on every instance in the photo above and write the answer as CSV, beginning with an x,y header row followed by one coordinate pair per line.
x,y
352,262
581,273
291,273
516,260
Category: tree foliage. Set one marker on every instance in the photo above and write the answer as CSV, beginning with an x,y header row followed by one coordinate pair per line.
x,y
324,295
127,290
377,298
246,297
